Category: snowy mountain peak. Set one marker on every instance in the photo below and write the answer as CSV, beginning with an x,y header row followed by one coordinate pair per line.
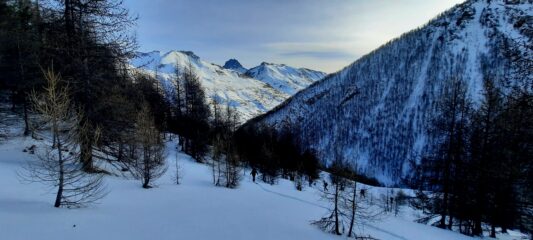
x,y
188,53
176,56
251,94
233,64
378,109
285,78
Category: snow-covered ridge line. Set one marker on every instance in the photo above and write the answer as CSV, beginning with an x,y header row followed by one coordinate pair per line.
x,y
250,94
387,97
285,78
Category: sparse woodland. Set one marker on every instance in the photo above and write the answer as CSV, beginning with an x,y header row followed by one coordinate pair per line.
x,y
121,116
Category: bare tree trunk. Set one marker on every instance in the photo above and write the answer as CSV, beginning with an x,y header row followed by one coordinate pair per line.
x,y
86,156
146,172
213,171
13,100
27,129
354,206
442,223
336,210
120,154
61,174
68,21
22,74
177,170
477,231
219,170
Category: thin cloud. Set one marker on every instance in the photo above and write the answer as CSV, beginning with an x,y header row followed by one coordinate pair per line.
x,y
318,55
317,34
317,50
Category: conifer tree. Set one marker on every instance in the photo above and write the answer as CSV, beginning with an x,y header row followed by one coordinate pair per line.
x,y
59,164
150,163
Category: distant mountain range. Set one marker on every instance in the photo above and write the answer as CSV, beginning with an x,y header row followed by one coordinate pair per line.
x,y
377,109
283,78
251,92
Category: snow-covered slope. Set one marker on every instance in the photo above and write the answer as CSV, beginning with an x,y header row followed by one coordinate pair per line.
x,y
250,95
193,210
235,65
377,109
285,78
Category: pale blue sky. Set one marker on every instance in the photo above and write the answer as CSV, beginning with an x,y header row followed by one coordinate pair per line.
x,y
318,34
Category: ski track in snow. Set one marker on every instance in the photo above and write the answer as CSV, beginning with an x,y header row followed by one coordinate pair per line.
x,y
291,197
326,208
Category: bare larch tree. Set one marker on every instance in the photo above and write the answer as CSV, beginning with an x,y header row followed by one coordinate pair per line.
x,y
58,162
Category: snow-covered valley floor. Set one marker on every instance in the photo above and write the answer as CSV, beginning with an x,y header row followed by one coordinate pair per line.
x,y
195,209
